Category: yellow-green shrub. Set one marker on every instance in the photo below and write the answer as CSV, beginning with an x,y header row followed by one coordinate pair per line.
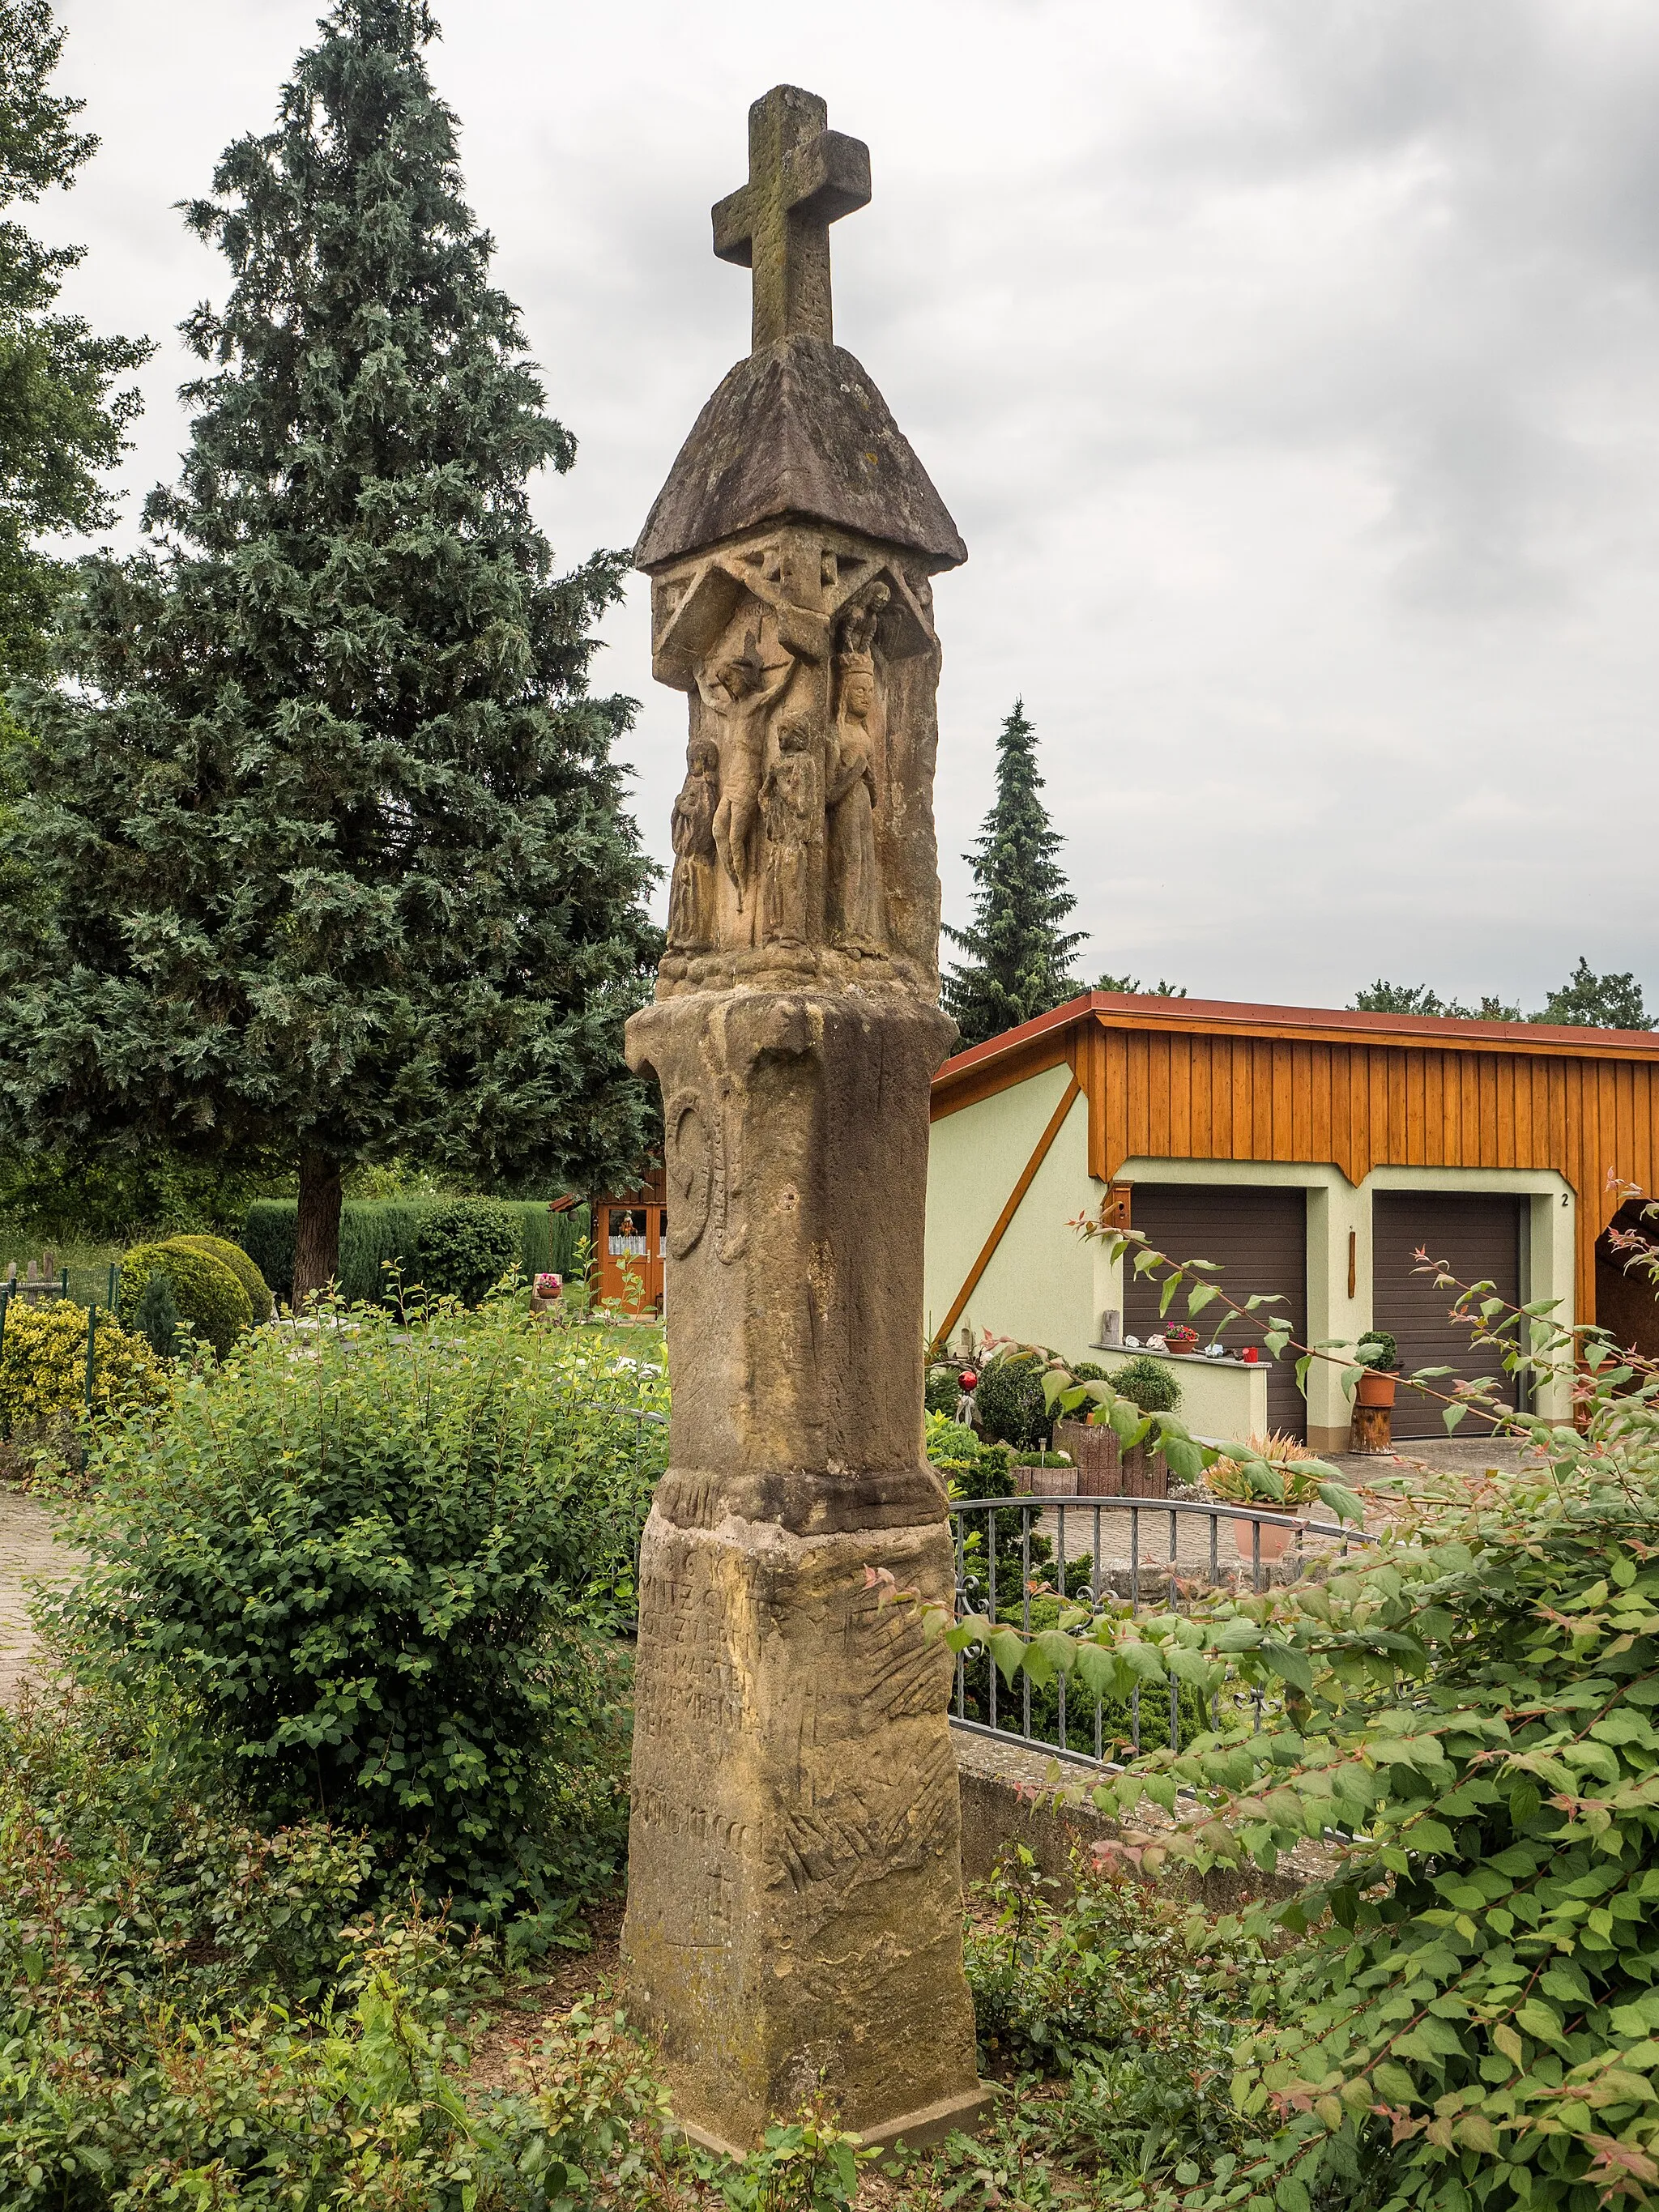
x,y
211,1303
43,1368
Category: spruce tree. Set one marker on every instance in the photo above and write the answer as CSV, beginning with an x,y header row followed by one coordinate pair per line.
x,y
1019,962
331,831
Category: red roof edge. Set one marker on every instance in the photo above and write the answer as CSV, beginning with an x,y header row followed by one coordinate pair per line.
x,y
1152,1008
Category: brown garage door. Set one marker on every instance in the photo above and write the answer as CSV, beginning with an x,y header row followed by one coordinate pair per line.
x,y
1259,1239
1479,1239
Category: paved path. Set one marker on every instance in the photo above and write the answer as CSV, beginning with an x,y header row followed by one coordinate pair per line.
x,y
26,1550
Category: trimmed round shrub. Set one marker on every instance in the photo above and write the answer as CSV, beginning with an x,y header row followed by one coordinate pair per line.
x,y
211,1302
1149,1383
1012,1408
245,1272
43,1369
464,1247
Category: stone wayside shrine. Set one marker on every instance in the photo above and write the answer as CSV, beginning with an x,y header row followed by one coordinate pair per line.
x,y
793,1912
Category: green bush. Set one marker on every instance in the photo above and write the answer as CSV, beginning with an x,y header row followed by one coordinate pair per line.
x,y
943,1390
372,1575
95,1802
1116,1969
157,1318
1151,1384
1012,1407
234,1257
43,1369
211,1303
464,1247
972,1468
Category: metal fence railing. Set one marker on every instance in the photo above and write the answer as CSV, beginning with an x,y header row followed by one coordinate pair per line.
x,y
1022,1560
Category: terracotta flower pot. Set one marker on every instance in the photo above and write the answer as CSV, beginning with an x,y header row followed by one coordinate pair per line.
x,y
1275,1540
1376,1390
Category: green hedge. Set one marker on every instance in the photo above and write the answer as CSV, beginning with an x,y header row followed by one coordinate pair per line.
x,y
376,1232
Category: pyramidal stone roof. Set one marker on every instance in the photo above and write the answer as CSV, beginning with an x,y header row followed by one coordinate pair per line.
x,y
798,429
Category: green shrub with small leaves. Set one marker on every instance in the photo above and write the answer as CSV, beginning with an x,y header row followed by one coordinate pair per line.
x,y
211,1303
1013,1406
1151,1384
1137,1995
376,1561
43,1370
464,1246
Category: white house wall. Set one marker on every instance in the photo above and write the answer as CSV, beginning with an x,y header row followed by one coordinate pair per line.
x,y
1040,1284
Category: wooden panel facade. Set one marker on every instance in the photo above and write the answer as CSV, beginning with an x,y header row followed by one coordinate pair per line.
x,y
1191,1079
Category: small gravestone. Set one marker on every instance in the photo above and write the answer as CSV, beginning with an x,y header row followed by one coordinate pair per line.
x,y
794,1886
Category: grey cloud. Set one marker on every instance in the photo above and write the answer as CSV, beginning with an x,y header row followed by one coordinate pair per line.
x,y
1291,368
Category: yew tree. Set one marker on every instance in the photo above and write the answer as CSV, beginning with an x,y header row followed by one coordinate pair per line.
x,y
327,823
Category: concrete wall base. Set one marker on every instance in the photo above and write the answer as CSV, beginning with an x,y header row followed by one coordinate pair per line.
x,y
1013,1793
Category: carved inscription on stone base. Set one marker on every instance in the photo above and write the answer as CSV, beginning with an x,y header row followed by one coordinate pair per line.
x,y
795,1847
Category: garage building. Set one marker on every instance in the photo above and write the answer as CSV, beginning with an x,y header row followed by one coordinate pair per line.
x,y
1311,1153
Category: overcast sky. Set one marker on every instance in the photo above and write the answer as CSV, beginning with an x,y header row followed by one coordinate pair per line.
x,y
1291,367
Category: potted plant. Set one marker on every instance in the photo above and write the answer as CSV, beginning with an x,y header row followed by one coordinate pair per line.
x,y
1379,1355
1276,1479
1180,1339
1151,1386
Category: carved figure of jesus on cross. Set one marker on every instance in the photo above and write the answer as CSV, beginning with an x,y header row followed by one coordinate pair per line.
x,y
802,177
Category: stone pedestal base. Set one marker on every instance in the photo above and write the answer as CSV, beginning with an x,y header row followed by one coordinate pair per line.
x,y
794,1883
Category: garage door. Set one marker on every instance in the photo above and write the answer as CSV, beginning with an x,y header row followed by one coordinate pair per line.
x,y
1259,1239
1479,1239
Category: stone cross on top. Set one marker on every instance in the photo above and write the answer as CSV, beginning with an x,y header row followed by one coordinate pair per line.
x,y
802,177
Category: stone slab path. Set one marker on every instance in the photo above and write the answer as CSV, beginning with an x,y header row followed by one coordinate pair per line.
x,y
28,1552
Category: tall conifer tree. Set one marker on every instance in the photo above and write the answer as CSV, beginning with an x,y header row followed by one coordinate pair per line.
x,y
61,423
331,828
1020,963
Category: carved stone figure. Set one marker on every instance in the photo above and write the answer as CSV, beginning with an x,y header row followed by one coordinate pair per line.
x,y
741,691
795,1898
854,875
691,892
792,807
